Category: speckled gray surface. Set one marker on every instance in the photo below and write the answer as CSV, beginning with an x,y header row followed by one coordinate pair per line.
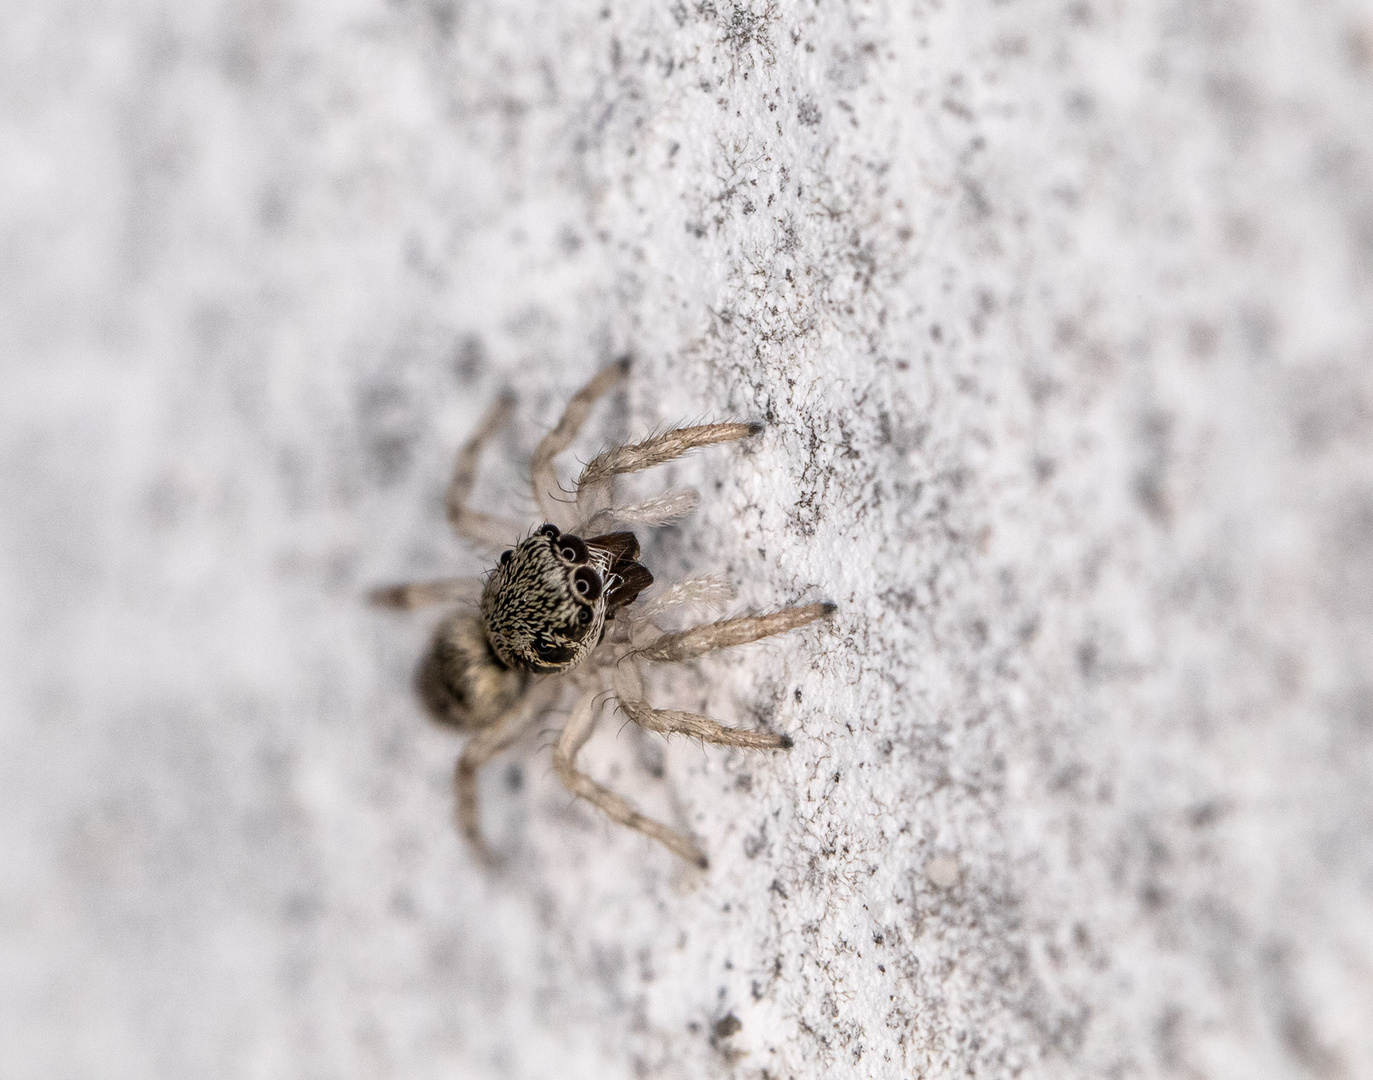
x,y
1061,318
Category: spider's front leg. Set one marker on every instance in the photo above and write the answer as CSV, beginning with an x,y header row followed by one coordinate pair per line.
x,y
629,692
698,640
575,734
594,483
688,644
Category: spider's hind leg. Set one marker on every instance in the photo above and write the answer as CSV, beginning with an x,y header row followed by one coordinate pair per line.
x,y
417,594
542,475
573,738
487,530
480,749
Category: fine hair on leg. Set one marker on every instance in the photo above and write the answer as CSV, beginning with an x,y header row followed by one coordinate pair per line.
x,y
424,593
487,530
709,591
664,510
574,736
542,476
480,749
657,450
687,644
673,722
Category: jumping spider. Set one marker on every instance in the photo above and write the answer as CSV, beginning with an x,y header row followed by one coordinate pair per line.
x,y
560,611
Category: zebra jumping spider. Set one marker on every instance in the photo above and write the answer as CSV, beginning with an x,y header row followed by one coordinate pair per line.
x,y
560,611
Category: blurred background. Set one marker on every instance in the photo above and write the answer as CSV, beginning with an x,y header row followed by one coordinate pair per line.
x,y
1060,316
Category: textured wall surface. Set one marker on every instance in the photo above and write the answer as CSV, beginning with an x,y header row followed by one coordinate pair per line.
x,y
1061,318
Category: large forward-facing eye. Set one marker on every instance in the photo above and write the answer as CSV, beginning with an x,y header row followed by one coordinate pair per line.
x,y
587,583
572,549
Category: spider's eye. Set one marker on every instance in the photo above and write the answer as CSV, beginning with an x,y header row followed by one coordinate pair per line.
x,y
573,549
549,530
551,653
584,616
587,583
506,555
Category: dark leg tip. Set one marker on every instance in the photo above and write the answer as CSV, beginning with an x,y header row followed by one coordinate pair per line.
x,y
785,742
624,363
703,862
828,609
756,428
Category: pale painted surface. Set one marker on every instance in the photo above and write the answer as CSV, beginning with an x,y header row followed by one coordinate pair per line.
x,y
1061,318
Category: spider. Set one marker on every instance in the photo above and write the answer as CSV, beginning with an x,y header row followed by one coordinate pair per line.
x,y
561,610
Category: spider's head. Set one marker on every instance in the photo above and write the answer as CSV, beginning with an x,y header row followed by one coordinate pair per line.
x,y
545,606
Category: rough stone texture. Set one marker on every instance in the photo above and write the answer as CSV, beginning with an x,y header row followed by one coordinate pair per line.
x,y
1060,318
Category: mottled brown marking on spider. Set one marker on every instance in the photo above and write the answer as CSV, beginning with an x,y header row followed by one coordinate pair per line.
x,y
545,605
560,614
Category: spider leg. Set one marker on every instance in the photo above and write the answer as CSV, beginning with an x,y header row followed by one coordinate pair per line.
x,y
676,504
487,530
542,475
480,749
710,591
655,451
423,593
696,641
573,738
670,721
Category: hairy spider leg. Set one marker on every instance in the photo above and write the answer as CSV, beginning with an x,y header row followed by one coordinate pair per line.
x,y
574,736
674,722
698,640
485,530
481,748
672,648
542,475
629,694
594,482
424,593
664,510
708,591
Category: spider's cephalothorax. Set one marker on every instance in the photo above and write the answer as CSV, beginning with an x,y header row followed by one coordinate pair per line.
x,y
544,608
544,621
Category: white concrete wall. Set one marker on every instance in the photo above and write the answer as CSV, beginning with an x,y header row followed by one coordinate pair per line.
x,y
1061,317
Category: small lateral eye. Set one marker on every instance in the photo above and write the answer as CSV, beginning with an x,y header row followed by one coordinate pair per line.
x,y
552,653
587,583
573,549
549,530
507,555
584,616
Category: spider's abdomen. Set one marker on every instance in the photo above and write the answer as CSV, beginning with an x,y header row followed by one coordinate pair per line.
x,y
461,681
